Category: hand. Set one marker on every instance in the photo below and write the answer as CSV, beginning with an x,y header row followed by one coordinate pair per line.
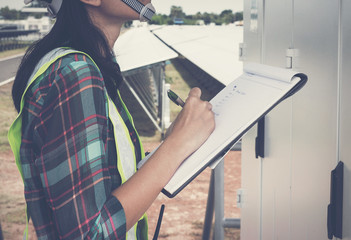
x,y
193,125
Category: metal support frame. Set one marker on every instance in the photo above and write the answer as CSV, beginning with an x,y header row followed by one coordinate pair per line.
x,y
143,106
215,204
149,102
219,201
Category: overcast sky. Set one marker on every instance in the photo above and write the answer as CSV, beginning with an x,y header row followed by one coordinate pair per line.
x,y
163,6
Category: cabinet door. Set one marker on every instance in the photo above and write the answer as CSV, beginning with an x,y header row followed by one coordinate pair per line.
x,y
278,37
314,125
266,190
345,114
251,167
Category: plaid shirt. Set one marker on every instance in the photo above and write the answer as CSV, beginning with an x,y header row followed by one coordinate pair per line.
x,y
68,154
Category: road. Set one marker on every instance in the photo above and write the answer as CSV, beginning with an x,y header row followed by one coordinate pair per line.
x,y
8,67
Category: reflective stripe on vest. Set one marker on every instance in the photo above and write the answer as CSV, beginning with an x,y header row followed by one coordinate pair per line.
x,y
125,150
124,145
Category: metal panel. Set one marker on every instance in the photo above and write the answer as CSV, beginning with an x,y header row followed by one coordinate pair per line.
x,y
276,164
131,44
278,27
250,166
252,36
251,188
345,116
314,117
214,49
276,173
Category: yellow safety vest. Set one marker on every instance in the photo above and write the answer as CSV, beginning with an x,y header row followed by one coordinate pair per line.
x,y
124,145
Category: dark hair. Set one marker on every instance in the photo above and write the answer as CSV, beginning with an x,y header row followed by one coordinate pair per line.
x,y
73,28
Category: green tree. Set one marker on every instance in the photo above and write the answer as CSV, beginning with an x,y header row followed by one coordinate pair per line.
x,y
38,4
159,19
227,16
9,14
225,13
198,16
238,16
207,18
176,12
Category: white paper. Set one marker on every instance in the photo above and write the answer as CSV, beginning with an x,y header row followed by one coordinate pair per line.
x,y
236,108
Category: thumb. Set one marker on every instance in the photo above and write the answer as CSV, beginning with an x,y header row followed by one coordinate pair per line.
x,y
195,92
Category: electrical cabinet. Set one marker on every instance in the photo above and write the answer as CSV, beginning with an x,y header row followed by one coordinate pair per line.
x,y
285,195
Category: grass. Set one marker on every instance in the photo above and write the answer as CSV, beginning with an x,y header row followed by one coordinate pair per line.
x,y
182,82
7,111
12,52
8,114
178,85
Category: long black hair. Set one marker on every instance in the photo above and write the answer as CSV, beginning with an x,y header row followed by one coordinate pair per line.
x,y
73,28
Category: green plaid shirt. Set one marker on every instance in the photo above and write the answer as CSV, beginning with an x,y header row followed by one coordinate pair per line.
x,y
68,154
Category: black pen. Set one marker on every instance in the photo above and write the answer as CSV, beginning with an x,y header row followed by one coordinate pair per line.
x,y
174,97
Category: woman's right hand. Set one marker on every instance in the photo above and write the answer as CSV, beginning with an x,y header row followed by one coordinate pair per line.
x,y
193,125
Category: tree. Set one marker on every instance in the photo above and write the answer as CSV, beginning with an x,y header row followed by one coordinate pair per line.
x,y
9,14
39,4
207,18
198,16
227,16
159,19
238,16
176,12
225,13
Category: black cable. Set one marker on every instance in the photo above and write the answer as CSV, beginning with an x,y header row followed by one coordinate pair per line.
x,y
158,226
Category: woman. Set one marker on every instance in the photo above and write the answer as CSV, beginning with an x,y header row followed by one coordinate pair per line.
x,y
68,140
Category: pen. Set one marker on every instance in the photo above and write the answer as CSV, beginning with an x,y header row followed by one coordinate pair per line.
x,y
174,97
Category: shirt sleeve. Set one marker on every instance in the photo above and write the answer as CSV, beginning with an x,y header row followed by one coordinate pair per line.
x,y
72,161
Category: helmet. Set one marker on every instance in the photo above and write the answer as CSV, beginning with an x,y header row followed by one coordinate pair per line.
x,y
53,6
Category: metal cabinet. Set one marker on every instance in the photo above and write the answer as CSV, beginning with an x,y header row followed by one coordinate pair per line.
x,y
285,195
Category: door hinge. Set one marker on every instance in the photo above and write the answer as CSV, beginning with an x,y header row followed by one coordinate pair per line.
x,y
242,51
239,198
292,58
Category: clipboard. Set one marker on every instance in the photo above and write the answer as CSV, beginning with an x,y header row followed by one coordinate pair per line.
x,y
237,108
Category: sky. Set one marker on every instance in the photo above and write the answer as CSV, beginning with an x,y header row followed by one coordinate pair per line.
x,y
164,6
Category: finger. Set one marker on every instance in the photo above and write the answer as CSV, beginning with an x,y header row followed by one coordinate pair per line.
x,y
195,92
209,106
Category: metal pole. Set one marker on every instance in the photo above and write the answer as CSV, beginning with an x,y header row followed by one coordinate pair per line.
x,y
231,223
219,201
206,233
